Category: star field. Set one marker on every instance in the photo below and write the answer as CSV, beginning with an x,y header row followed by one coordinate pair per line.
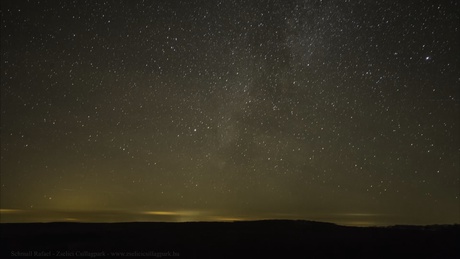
x,y
343,111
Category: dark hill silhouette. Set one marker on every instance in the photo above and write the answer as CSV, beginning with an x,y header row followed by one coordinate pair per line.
x,y
245,239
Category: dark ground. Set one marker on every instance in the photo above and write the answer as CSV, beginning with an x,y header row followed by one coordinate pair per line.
x,y
251,239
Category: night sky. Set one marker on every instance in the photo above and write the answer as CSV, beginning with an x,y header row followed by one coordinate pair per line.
x,y
341,111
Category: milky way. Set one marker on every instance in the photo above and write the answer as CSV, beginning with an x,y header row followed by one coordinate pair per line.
x,y
341,111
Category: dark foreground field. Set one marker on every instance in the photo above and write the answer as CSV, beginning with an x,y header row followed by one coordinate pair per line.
x,y
252,239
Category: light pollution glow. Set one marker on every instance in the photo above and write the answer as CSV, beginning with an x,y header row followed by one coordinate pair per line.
x,y
24,216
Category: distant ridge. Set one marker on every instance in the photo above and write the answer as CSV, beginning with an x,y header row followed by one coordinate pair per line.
x,y
267,238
